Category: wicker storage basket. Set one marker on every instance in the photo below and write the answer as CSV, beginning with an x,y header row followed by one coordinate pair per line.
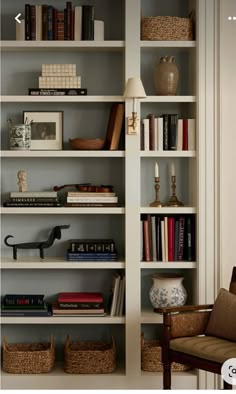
x,y
151,358
89,357
169,28
28,357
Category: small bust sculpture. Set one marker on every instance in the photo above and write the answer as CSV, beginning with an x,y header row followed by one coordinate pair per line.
x,y
22,177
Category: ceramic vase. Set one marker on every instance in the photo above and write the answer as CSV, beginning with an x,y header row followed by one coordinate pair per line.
x,y
166,76
167,290
19,137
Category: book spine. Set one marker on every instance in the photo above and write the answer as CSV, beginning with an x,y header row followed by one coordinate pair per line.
x,y
92,247
181,238
166,237
165,132
146,134
189,239
33,194
58,92
27,22
185,134
180,134
65,24
176,239
88,204
80,305
55,21
60,25
89,194
78,23
33,21
68,22
44,22
154,245
25,313
98,30
147,255
163,249
31,204
34,199
38,22
191,134
149,218
159,126
92,199
158,238
172,131
87,22
18,300
151,132
141,135
170,239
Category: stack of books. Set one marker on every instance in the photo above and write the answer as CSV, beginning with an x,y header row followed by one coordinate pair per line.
x,y
32,199
117,303
79,304
91,199
25,305
92,250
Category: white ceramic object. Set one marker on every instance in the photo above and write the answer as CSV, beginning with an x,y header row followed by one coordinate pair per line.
x,y
167,290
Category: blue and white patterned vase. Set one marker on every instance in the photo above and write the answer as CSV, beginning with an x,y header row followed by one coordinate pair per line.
x,y
167,290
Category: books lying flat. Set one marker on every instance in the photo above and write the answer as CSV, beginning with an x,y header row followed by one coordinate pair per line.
x,y
72,314
23,299
91,204
31,204
80,256
80,305
92,199
58,92
33,194
80,297
58,311
26,312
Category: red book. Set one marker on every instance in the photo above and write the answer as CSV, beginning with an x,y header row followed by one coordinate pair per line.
x,y
80,297
185,134
171,238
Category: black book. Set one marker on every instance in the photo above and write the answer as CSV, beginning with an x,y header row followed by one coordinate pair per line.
x,y
23,299
172,131
27,22
165,132
87,22
50,22
9,204
158,238
44,22
57,92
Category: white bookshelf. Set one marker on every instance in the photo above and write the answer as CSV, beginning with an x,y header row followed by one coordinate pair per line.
x,y
130,169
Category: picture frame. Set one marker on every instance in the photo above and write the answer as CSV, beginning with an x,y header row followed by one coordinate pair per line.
x,y
46,129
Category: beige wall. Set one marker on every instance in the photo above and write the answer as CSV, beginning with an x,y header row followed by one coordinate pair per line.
x,y
227,102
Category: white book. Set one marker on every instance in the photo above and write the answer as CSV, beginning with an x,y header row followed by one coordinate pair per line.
x,y
20,30
146,134
33,194
166,237
180,134
191,134
154,244
119,297
38,10
78,23
98,30
159,131
89,194
92,199
115,295
163,240
122,298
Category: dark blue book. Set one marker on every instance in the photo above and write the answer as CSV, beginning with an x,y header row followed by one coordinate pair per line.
x,y
50,22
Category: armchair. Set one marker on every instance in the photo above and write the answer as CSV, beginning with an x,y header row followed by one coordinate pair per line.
x,y
185,341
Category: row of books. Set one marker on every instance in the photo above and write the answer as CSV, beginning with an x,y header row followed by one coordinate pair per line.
x,y
167,238
92,198
46,22
168,132
79,304
25,305
117,299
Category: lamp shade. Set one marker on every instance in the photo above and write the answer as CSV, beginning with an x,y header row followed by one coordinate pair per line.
x,y
134,88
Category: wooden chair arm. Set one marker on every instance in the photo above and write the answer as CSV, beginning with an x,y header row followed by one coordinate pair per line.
x,y
185,308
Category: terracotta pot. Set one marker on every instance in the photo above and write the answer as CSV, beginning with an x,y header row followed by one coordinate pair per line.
x,y
166,76
167,290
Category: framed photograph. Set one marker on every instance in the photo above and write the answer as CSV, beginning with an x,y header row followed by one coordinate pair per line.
x,y
46,129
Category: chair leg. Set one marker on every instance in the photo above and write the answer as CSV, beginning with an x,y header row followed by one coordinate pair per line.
x,y
167,376
227,386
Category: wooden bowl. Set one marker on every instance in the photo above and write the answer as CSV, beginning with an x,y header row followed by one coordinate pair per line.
x,y
85,144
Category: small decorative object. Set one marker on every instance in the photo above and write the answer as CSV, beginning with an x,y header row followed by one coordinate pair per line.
x,y
170,28
156,202
167,290
28,358
87,144
46,129
55,234
89,357
166,76
19,135
173,201
22,181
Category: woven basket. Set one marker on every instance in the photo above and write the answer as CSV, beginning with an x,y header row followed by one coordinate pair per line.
x,y
151,358
89,357
28,357
169,28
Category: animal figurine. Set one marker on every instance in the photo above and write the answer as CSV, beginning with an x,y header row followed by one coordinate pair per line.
x,y
55,234
22,177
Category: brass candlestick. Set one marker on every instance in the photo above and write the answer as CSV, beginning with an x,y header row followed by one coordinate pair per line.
x,y
156,202
173,201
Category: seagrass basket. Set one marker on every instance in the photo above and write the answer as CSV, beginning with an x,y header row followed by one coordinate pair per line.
x,y
28,358
89,357
166,28
151,358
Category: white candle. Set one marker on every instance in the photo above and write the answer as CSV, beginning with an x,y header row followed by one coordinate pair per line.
x,y
156,170
172,169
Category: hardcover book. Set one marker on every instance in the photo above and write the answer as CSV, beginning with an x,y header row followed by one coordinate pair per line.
x,y
80,297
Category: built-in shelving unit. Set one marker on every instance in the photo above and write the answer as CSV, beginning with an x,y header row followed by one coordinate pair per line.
x,y
104,66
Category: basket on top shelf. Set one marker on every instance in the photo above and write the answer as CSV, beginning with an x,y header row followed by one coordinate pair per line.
x,y
166,28
26,358
89,357
151,357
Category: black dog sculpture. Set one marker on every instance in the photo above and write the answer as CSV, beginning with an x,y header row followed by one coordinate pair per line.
x,y
55,233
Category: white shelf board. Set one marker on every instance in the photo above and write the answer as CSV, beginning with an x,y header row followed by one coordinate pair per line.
x,y
168,210
54,46
61,153
62,211
168,153
169,99
64,320
151,317
57,263
168,265
64,99
167,44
